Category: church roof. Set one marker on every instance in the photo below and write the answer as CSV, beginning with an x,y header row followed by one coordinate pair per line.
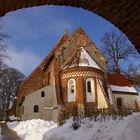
x,y
81,58
45,63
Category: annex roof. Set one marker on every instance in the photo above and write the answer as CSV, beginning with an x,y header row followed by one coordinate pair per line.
x,y
119,82
118,79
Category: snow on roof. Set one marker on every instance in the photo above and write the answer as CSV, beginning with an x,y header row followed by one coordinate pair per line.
x,y
81,58
50,108
119,82
123,88
87,60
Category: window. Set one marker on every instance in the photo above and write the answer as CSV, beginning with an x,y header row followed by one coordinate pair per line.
x,y
36,108
71,86
42,94
90,92
71,90
119,103
89,86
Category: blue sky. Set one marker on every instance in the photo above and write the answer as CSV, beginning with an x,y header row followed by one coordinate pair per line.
x,y
35,31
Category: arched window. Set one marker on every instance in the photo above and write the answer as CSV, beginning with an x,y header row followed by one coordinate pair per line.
x,y
36,108
90,90
71,90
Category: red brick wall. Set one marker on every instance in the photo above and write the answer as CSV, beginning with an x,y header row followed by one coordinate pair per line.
x,y
80,87
36,80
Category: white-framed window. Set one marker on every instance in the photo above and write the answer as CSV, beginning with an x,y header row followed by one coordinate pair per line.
x,y
71,90
90,90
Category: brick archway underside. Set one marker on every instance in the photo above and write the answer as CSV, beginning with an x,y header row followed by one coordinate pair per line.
x,y
124,14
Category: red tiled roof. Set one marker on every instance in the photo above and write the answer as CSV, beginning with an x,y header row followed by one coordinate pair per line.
x,y
118,79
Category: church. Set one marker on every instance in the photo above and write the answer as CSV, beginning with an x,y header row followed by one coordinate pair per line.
x,y
73,74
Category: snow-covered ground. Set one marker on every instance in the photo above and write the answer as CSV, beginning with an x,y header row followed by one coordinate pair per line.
x,y
32,129
126,129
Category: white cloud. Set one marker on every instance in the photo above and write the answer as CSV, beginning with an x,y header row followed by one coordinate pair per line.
x,y
29,26
23,60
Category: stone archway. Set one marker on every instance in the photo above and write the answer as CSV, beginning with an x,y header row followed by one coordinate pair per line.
x,y
124,14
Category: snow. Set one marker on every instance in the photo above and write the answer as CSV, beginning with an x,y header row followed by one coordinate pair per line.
x,y
126,129
49,108
110,94
32,129
12,125
14,118
123,88
85,60
85,55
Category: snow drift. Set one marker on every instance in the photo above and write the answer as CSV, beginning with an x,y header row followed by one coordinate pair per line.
x,y
126,129
32,129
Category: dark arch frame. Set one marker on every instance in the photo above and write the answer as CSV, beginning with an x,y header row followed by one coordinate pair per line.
x,y
124,14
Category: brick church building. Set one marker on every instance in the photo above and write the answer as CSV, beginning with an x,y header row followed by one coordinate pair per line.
x,y
74,73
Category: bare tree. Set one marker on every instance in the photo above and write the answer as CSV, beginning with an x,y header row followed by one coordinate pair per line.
x,y
10,79
3,48
3,45
131,70
117,50
133,74
116,47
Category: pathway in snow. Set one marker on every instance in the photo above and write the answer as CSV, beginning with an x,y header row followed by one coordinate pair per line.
x,y
8,134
